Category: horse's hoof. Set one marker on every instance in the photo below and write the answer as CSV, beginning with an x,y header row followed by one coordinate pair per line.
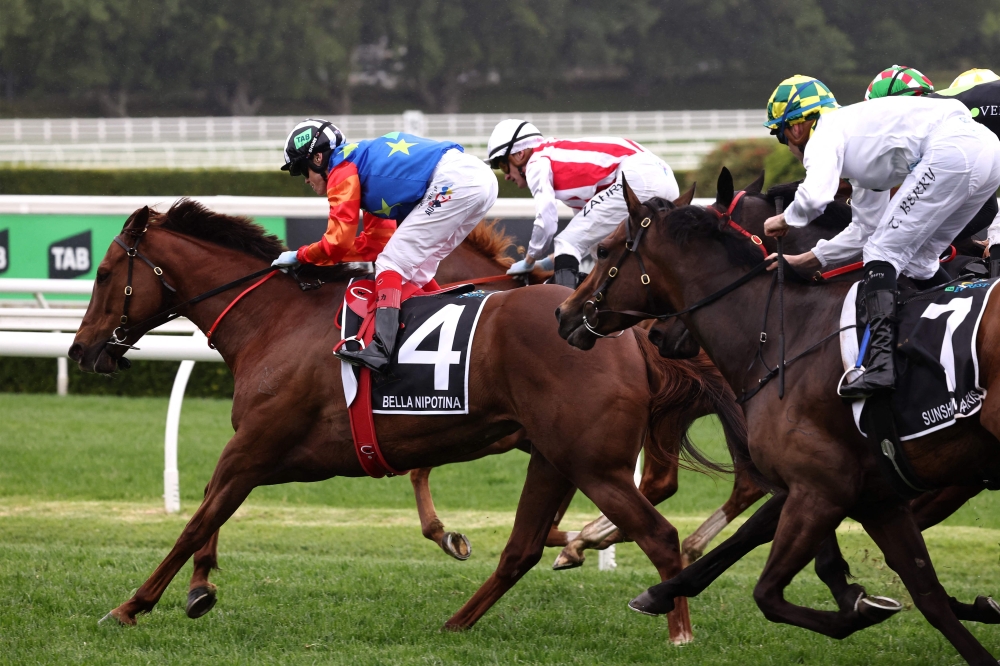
x,y
457,545
987,610
566,560
649,603
116,614
877,609
200,601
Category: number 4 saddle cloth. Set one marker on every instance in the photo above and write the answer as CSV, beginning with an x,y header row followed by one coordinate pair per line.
x,y
428,372
937,368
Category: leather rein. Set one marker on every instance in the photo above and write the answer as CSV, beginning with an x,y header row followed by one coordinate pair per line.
x,y
123,331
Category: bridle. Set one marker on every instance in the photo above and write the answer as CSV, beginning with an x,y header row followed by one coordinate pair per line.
x,y
591,307
119,337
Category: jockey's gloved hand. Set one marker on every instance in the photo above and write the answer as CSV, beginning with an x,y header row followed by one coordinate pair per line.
x,y
522,267
286,259
546,264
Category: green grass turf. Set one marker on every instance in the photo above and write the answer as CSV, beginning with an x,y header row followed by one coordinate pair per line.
x,y
337,572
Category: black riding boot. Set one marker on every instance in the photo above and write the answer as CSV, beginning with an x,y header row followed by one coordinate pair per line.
x,y
880,301
994,261
376,355
567,269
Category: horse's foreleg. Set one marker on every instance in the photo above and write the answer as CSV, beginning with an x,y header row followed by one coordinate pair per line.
x,y
693,580
201,593
895,532
658,483
228,488
454,543
807,519
931,508
616,495
544,490
745,493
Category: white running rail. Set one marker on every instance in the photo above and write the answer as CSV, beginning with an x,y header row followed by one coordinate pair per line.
x,y
255,142
38,332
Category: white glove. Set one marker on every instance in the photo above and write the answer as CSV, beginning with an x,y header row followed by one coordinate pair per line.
x,y
546,264
286,259
522,267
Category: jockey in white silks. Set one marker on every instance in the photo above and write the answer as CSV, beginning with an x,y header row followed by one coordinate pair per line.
x,y
945,164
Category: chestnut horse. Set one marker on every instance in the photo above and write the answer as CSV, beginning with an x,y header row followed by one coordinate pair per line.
x,y
697,389
806,444
298,429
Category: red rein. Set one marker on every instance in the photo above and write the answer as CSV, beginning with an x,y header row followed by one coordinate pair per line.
x,y
234,302
858,265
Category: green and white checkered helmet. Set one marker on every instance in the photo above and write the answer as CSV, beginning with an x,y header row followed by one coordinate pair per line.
x,y
898,80
797,99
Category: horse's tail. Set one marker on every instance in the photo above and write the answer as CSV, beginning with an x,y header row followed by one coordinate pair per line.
x,y
697,386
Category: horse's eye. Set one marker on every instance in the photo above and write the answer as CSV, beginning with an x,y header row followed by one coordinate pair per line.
x,y
602,252
102,276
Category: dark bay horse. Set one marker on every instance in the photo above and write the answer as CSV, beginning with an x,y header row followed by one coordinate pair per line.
x,y
674,341
806,445
298,429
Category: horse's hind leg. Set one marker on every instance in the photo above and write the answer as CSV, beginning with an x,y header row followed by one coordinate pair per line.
x,y
745,493
558,537
896,534
201,593
228,489
544,490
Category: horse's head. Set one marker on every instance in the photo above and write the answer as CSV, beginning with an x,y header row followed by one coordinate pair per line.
x,y
129,289
621,270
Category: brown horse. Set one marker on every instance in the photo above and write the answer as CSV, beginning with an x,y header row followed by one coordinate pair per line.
x,y
298,429
806,444
696,389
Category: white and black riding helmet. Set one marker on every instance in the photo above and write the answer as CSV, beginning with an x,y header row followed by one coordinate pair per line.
x,y
510,136
309,137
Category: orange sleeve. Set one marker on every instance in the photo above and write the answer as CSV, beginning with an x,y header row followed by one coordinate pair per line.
x,y
371,241
343,191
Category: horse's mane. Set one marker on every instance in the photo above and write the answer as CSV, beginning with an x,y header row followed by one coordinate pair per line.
x,y
491,242
690,223
836,216
237,233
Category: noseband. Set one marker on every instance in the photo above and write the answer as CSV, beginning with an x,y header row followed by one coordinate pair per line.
x,y
590,308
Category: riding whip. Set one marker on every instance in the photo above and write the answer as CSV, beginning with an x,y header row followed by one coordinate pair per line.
x,y
779,205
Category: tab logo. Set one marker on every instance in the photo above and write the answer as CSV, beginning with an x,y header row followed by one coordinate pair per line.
x,y
4,250
70,257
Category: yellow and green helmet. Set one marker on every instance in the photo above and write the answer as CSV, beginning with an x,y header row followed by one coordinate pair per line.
x,y
898,80
796,99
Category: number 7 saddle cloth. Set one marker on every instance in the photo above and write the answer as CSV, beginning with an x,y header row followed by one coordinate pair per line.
x,y
937,367
428,372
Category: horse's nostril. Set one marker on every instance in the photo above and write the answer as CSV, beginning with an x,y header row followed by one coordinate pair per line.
x,y
75,352
557,314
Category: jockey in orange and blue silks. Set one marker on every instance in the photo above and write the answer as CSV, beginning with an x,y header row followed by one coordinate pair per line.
x,y
432,190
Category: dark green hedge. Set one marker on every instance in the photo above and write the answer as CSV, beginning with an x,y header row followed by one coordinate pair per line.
x,y
144,378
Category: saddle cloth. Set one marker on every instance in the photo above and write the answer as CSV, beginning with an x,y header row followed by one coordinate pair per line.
x,y
937,368
428,372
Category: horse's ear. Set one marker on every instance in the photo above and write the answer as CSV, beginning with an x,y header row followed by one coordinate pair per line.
x,y
756,186
724,189
631,200
138,220
686,198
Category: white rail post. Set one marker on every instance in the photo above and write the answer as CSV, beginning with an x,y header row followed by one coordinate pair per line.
x,y
606,558
171,477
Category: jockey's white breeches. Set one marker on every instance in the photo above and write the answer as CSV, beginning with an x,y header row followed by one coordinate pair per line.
x,y
461,191
958,172
647,175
